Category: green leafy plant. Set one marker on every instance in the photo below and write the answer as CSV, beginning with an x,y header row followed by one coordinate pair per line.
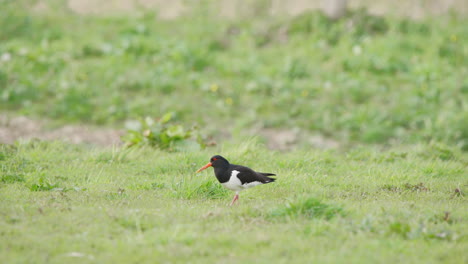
x,y
43,184
309,208
163,134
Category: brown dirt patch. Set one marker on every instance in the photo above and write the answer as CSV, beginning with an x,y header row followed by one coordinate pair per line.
x,y
233,8
23,128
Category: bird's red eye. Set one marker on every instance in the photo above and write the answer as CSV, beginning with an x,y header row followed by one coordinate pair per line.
x,y
214,159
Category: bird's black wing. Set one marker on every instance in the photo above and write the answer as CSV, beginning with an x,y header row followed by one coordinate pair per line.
x,y
247,175
267,174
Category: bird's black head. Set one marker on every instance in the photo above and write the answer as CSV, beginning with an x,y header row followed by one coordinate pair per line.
x,y
216,161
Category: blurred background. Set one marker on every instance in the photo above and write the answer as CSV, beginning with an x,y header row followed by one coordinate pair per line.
x,y
184,75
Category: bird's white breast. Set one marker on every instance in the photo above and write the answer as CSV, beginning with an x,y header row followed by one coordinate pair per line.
x,y
235,183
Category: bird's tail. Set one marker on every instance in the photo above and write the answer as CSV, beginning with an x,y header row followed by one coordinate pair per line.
x,y
269,174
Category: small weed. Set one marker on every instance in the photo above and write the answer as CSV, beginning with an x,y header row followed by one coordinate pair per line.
x,y
163,134
399,228
12,178
42,185
309,208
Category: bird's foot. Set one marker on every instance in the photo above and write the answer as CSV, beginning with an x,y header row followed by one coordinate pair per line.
x,y
236,197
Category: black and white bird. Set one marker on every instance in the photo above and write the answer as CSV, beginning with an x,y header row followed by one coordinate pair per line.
x,y
235,177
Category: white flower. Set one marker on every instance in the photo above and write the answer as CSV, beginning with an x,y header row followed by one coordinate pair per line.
x,y
5,57
357,50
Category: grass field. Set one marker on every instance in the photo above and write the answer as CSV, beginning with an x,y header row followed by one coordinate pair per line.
x,y
64,203
391,91
362,79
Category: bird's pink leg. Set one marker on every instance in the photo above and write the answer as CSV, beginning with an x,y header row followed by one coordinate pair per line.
x,y
236,197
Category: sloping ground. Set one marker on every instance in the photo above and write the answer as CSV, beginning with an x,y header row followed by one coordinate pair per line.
x,y
19,127
23,128
231,8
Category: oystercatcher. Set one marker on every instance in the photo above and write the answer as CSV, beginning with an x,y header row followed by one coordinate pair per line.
x,y
235,177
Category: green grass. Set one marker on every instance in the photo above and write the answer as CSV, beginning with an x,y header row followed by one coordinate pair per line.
x,y
365,205
392,91
362,79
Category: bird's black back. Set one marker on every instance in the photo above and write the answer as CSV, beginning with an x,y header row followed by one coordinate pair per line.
x,y
247,175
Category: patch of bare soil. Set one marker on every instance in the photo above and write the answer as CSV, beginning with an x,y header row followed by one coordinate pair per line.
x,y
232,8
23,128
288,139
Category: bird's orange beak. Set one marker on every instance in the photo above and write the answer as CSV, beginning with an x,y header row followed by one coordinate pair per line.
x,y
204,167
